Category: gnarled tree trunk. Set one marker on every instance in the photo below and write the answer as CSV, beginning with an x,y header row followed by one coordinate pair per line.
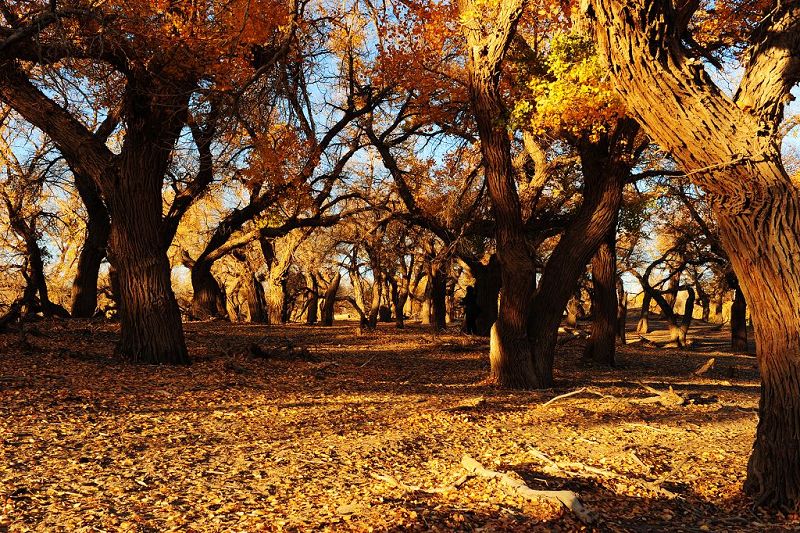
x,y
729,148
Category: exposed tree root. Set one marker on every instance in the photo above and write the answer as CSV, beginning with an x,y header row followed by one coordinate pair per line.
x,y
567,498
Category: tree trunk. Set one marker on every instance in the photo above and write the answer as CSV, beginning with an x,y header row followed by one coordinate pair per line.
x,y
208,299
439,299
622,311
375,303
728,147
313,298
573,311
398,303
329,305
644,314
606,165
739,323
487,291
276,297
602,342
98,227
509,347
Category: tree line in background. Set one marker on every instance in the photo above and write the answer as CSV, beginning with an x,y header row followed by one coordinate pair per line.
x,y
282,162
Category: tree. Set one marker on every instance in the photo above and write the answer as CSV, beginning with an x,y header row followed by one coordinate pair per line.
x,y
729,147
150,63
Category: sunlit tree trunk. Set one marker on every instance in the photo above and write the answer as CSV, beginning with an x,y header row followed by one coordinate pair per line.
x,y
729,148
644,314
329,304
622,311
509,349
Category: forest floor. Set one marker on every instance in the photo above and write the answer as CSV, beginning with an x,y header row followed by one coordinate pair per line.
x,y
351,434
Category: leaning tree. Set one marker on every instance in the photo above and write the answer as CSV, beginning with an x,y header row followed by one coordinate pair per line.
x,y
729,146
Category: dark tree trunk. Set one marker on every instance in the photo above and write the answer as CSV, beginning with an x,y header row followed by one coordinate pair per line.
x,y
739,323
601,347
98,227
606,165
487,291
439,299
622,311
329,305
398,303
151,329
644,314
312,302
208,299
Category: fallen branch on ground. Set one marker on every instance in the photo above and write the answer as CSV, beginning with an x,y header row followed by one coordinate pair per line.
x,y
575,468
667,399
705,368
575,392
566,497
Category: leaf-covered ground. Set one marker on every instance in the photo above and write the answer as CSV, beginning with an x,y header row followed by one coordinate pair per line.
x,y
340,439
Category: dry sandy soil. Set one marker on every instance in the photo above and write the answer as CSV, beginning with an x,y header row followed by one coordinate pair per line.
x,y
366,433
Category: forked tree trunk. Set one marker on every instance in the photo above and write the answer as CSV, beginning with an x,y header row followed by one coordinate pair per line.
x,y
739,323
601,347
98,227
606,166
329,305
729,148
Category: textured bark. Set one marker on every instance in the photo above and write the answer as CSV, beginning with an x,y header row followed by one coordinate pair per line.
x,y
329,305
606,164
601,347
98,227
739,323
509,350
151,329
728,148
